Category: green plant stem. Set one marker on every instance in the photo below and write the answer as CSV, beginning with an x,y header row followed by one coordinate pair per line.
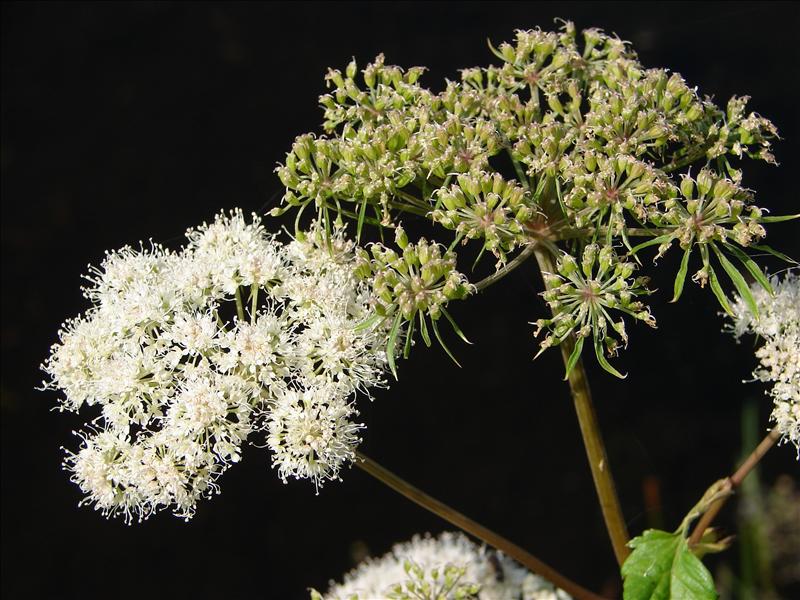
x,y
592,439
414,210
685,161
523,179
239,306
413,200
468,525
733,482
569,234
506,269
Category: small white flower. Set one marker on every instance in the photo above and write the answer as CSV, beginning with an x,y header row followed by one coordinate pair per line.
x,y
495,576
181,382
311,435
778,324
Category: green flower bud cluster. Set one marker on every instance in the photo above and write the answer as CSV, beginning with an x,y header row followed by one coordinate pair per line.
x,y
393,143
712,209
485,206
580,296
311,172
387,88
641,111
600,148
537,63
422,278
458,146
742,134
434,584
604,188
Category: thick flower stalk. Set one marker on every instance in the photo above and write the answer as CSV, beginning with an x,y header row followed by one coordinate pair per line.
x,y
187,354
448,567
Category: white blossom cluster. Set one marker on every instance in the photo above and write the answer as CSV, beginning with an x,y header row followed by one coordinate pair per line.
x,y
422,565
778,324
187,353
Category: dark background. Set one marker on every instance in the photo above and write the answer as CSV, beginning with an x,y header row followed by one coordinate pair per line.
x,y
123,122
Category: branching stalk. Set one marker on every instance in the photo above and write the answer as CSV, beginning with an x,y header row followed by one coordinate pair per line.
x,y
506,269
733,482
473,528
592,439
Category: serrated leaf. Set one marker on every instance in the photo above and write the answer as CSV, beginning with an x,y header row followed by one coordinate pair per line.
x,y
661,567
738,281
752,267
648,564
689,577
680,278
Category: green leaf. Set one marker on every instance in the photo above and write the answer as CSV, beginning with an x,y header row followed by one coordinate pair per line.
x,y
680,278
781,255
654,242
738,281
717,289
573,358
494,50
779,218
752,267
598,351
455,327
560,197
423,329
367,323
442,344
661,567
409,338
362,212
390,346
648,565
690,579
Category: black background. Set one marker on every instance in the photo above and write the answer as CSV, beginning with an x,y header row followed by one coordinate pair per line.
x,y
122,122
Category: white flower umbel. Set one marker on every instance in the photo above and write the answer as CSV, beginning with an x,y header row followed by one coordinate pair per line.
x,y
778,324
447,567
181,351
311,434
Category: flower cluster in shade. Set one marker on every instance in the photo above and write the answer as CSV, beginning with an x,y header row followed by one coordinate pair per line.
x,y
447,567
778,328
603,150
188,353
